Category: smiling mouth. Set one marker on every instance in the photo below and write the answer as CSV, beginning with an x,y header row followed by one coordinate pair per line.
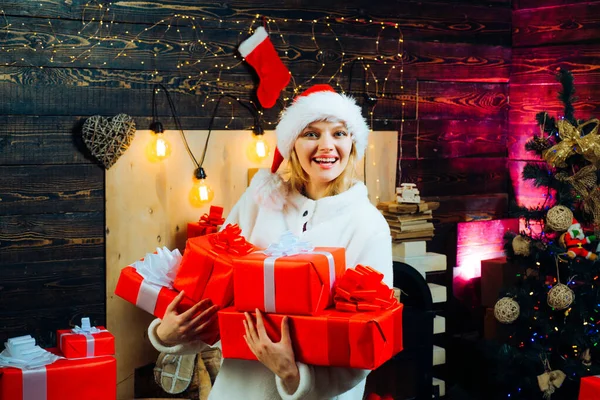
x,y
325,160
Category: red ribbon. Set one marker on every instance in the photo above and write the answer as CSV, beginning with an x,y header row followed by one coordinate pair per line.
x,y
362,289
230,240
213,218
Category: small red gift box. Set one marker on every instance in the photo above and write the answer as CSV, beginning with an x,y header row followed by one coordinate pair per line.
x,y
590,388
89,378
151,298
334,338
300,284
77,343
206,269
209,223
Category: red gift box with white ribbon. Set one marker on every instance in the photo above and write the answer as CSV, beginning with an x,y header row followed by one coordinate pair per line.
x,y
85,341
290,277
44,376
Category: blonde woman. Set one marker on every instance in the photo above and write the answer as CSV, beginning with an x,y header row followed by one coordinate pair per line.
x,y
322,134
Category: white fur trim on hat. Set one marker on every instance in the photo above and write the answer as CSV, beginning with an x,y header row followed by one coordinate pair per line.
x,y
321,106
253,41
269,189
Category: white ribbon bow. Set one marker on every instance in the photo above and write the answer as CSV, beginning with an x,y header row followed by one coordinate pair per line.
x,y
160,268
22,352
288,245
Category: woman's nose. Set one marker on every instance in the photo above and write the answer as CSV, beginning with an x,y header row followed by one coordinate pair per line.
x,y
326,142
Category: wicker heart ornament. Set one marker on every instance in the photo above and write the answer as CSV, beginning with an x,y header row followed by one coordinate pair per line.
x,y
108,138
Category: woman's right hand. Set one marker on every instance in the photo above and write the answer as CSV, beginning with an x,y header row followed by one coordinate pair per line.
x,y
176,328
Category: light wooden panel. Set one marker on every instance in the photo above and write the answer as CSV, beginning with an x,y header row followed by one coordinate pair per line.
x,y
147,206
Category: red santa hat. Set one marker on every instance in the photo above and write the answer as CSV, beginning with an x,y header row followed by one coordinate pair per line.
x,y
317,103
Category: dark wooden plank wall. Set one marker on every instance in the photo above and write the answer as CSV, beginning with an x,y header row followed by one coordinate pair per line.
x,y
548,35
57,67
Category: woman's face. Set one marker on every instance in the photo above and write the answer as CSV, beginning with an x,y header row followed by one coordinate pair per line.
x,y
323,149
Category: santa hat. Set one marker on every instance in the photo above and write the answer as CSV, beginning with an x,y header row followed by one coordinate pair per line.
x,y
576,226
317,103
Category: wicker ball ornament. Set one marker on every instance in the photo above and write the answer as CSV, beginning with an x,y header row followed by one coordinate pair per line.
x,y
507,310
560,296
108,138
559,218
520,245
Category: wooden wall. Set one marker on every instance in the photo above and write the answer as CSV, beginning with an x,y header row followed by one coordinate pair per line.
x,y
548,35
57,67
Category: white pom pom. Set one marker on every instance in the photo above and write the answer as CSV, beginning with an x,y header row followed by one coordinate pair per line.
x,y
269,189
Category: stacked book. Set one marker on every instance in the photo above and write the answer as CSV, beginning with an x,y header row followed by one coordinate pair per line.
x,y
409,221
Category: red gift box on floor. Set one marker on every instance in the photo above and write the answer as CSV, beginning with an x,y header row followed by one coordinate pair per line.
x,y
300,284
90,379
85,341
590,388
334,338
151,298
209,223
206,270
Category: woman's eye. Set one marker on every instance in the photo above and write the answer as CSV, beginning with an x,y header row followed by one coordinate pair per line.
x,y
310,134
341,133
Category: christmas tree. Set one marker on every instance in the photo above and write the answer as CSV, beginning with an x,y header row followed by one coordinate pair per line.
x,y
551,315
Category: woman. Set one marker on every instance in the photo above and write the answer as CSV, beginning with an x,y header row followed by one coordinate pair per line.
x,y
322,134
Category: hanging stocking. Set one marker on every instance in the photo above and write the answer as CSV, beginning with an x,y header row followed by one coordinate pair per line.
x,y
274,76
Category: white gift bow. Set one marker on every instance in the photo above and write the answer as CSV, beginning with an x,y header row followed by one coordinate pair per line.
x,y
288,245
160,268
86,330
158,271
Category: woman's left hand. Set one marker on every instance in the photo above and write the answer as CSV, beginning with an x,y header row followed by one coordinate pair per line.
x,y
278,357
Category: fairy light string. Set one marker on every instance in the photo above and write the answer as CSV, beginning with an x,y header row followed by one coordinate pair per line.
x,y
204,66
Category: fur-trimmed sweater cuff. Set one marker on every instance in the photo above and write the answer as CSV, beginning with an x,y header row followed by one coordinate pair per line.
x,y
181,349
304,387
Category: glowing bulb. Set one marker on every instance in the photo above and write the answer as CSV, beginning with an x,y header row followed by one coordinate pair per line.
x,y
201,193
258,150
159,147
261,148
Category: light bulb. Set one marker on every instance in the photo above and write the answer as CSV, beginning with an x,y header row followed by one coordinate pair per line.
x,y
258,149
159,147
201,193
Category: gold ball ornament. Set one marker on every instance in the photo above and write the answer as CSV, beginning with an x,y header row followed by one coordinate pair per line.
x,y
560,296
507,310
520,245
559,218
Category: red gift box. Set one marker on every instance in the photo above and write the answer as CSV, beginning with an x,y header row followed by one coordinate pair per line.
x,y
208,223
206,269
89,378
334,338
147,296
79,345
297,285
590,388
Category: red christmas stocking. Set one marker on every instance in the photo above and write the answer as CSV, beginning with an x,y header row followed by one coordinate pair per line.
x,y
274,76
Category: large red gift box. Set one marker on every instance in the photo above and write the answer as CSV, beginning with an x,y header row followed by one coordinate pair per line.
x,y
147,296
333,338
208,223
77,345
89,378
590,388
206,269
300,284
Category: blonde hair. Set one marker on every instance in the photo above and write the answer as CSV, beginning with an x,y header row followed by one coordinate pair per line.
x,y
299,179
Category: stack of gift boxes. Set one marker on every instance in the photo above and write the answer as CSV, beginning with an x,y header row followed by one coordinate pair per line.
x,y
82,366
337,316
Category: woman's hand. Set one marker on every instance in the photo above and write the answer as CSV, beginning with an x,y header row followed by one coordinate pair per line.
x,y
278,357
187,327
